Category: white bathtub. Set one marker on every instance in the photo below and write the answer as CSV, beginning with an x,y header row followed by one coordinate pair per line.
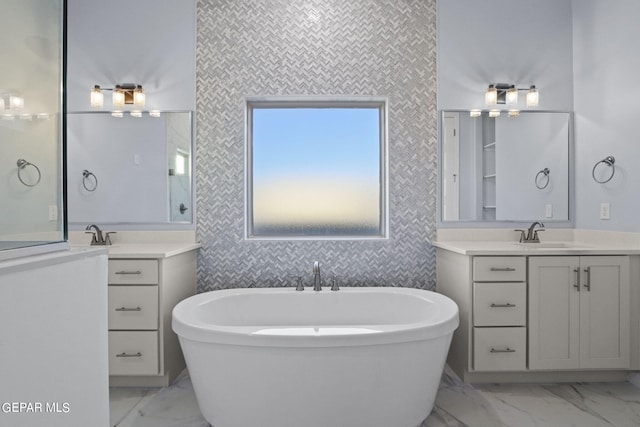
x,y
275,357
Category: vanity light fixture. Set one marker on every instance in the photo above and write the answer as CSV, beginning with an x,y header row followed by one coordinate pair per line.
x,y
494,113
502,93
123,94
11,102
475,113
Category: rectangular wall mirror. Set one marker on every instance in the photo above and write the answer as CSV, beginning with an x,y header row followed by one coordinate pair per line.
x,y
509,169
133,172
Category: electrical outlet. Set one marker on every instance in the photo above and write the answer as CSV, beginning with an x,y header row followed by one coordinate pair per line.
x,y
53,213
548,211
604,211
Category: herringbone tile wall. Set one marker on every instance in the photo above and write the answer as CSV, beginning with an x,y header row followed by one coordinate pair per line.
x,y
316,47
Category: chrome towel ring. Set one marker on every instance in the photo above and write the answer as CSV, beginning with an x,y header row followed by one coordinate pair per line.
x,y
22,164
609,161
86,177
545,173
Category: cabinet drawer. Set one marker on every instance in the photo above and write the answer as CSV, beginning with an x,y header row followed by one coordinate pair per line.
x,y
499,304
133,353
133,307
133,272
499,349
499,269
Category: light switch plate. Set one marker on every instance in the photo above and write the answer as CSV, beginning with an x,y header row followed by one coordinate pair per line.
x,y
604,211
548,211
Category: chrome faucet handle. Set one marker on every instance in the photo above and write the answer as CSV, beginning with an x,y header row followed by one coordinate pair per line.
x,y
334,283
107,239
299,284
536,238
523,235
94,239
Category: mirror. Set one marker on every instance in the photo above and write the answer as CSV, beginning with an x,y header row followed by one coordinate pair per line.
x,y
130,170
504,168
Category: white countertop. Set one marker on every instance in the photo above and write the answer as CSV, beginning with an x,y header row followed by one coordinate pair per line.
x,y
146,250
479,247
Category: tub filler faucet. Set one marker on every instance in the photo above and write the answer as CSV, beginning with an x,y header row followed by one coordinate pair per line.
x,y
317,279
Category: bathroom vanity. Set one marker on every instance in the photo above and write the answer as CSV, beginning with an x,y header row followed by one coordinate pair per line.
x,y
145,282
554,311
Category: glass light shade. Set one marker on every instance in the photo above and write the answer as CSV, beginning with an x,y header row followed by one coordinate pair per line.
x,y
117,113
138,97
514,113
532,97
494,113
512,96
491,96
154,113
118,97
16,102
136,113
475,113
97,97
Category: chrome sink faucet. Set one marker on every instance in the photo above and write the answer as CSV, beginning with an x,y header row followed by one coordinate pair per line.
x,y
97,238
531,234
317,279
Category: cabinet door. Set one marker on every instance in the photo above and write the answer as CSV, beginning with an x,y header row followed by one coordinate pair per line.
x,y
604,312
554,313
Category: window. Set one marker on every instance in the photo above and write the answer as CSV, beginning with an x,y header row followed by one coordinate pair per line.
x,y
316,169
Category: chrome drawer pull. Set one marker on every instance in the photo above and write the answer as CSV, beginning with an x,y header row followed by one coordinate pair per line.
x,y
503,305
506,350
502,269
129,272
128,309
123,354
588,282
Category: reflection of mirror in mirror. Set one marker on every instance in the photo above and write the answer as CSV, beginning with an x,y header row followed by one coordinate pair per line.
x,y
143,166
491,167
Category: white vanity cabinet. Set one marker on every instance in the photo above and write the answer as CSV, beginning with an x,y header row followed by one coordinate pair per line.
x,y
579,312
143,349
529,315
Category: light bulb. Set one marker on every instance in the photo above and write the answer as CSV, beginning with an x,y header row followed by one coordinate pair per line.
x,y
118,97
97,97
512,96
16,102
491,96
532,97
138,97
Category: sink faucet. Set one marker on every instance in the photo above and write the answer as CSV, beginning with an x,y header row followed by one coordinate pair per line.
x,y
317,279
98,238
531,235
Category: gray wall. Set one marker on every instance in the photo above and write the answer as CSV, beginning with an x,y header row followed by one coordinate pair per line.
x,y
329,47
607,67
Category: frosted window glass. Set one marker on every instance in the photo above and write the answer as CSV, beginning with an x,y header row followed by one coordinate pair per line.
x,y
316,171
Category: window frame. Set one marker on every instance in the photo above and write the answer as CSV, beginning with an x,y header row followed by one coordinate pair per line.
x,y
381,103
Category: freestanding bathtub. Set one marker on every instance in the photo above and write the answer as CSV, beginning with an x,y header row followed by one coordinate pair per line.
x,y
275,357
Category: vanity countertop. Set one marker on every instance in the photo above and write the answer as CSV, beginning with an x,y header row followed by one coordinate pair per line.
x,y
147,250
479,247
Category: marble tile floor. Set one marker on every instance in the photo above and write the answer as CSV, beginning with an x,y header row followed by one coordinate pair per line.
x,y
457,405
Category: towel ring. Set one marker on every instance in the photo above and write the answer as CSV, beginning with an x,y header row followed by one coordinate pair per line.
x,y
544,172
609,161
86,177
22,164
